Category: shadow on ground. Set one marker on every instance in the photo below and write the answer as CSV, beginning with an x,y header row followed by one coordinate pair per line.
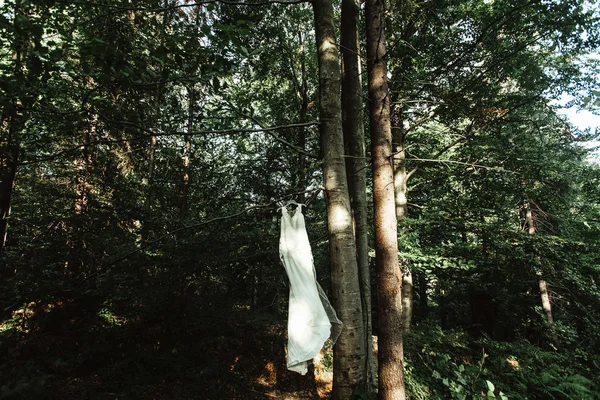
x,y
80,349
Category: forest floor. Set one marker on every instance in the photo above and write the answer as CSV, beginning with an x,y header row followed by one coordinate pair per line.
x,y
80,349
162,347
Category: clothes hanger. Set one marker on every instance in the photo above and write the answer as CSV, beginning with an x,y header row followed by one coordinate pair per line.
x,y
292,202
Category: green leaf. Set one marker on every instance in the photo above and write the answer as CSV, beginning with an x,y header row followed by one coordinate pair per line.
x,y
491,389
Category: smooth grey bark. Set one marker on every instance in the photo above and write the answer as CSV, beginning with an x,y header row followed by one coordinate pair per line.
x,y
354,140
349,351
389,274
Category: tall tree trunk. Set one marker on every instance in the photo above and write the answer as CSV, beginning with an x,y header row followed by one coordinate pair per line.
x,y
400,174
389,275
349,350
401,200
407,298
542,284
9,152
354,139
404,9
185,203
546,306
11,124
13,118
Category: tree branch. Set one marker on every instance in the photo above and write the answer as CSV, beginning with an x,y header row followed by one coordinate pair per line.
x,y
499,169
274,136
122,257
268,130
179,6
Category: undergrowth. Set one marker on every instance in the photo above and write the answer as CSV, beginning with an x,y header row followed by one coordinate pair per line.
x,y
453,365
86,348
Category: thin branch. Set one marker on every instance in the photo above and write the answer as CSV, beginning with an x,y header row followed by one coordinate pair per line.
x,y
438,154
242,130
183,228
267,130
410,173
499,169
274,136
120,258
262,128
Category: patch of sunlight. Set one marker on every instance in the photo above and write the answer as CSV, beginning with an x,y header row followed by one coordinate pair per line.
x,y
112,319
232,367
341,217
18,319
323,371
269,378
6,325
514,363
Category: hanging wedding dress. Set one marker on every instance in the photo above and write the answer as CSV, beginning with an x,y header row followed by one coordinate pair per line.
x,y
311,318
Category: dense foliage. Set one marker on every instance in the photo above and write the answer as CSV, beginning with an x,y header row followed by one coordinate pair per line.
x,y
153,142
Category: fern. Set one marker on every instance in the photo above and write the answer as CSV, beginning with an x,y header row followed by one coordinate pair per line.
x,y
576,387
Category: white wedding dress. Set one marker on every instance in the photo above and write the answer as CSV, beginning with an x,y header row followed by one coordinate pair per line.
x,y
311,318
